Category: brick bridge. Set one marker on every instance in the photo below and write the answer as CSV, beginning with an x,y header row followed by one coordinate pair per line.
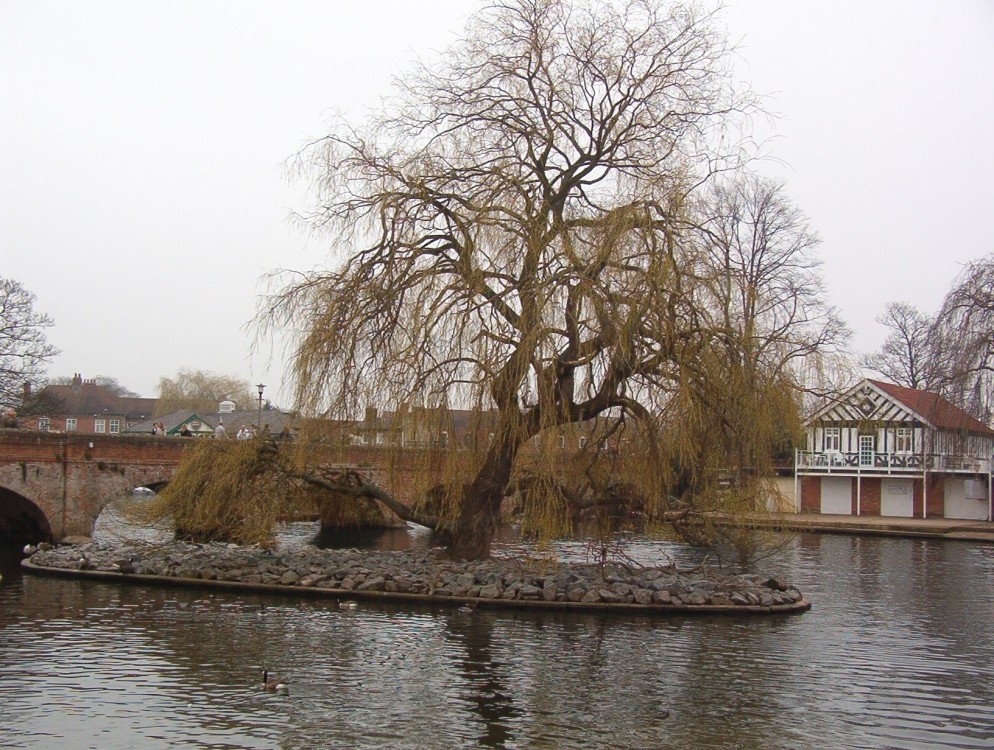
x,y
54,485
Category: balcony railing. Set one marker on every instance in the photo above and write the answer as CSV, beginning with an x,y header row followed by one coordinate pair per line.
x,y
890,463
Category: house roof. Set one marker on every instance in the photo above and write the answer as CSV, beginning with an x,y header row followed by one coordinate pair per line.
x,y
876,400
90,398
933,408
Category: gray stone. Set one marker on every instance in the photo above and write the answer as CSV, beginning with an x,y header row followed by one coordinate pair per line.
x,y
529,591
642,596
372,583
491,591
661,597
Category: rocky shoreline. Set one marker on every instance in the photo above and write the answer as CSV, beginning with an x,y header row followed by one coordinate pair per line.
x,y
427,577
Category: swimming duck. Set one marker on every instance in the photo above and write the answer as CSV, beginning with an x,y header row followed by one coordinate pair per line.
x,y
347,605
274,684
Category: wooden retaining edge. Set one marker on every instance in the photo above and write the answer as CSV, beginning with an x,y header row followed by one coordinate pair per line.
x,y
420,599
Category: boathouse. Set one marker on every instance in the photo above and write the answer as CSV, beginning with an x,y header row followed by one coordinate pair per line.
x,y
886,450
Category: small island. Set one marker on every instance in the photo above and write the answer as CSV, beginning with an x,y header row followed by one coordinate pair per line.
x,y
424,578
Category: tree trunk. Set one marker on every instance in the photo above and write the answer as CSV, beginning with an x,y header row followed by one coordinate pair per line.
x,y
479,515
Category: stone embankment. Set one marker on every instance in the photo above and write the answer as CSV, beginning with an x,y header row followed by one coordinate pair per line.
x,y
427,577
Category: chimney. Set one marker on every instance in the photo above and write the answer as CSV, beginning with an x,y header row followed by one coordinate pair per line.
x,y
370,415
27,390
77,381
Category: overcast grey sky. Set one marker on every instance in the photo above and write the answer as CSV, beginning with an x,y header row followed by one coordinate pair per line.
x,y
142,193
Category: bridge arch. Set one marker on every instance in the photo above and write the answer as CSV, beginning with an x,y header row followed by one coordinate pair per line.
x,y
22,521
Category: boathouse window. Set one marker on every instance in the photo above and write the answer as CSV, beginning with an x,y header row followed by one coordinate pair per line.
x,y
833,439
100,425
903,440
43,424
115,426
562,441
71,424
583,442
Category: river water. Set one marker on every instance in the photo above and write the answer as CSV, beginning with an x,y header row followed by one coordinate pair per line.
x,y
897,652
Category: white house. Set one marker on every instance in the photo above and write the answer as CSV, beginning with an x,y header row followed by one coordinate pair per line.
x,y
887,450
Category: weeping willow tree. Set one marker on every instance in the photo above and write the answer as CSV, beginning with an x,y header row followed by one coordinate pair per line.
x,y
526,230
223,490
238,491
962,340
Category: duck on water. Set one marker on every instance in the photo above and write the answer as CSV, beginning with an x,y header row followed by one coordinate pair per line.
x,y
275,684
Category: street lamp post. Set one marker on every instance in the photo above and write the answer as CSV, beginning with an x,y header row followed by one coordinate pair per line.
x,y
261,388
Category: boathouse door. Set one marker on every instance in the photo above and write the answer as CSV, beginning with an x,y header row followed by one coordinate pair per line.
x,y
897,497
836,495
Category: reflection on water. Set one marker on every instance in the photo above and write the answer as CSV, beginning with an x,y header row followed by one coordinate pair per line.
x,y
898,652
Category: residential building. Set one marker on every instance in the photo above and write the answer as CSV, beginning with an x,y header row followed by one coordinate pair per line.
x,y
422,428
82,406
886,450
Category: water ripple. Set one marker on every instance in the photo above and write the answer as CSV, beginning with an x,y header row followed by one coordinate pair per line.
x,y
898,652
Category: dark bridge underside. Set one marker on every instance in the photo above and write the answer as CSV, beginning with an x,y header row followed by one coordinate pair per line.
x,y
21,521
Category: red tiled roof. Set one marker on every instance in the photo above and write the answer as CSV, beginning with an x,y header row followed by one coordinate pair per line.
x,y
933,407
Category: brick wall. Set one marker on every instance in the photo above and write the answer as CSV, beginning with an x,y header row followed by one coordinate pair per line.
x,y
810,494
870,488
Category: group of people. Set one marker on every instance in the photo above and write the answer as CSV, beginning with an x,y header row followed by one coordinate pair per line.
x,y
248,432
245,432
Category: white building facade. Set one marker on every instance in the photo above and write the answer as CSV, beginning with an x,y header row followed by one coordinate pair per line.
x,y
888,450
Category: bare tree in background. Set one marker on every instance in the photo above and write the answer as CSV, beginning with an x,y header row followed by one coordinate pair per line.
x,y
908,354
198,390
110,383
765,308
24,350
